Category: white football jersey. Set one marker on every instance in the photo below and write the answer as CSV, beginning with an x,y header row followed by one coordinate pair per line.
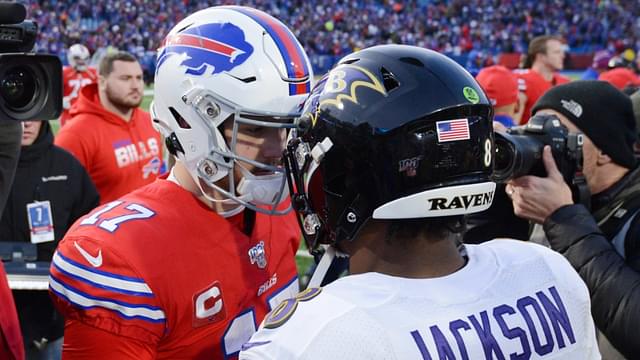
x,y
512,300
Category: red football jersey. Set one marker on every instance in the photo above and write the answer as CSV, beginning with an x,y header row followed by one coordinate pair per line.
x,y
534,86
159,267
72,82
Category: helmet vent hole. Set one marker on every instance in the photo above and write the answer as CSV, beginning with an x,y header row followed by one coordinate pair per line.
x,y
246,80
179,119
389,80
184,28
350,61
412,61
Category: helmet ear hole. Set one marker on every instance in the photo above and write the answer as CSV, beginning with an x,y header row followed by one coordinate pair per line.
x,y
173,144
389,80
350,61
412,61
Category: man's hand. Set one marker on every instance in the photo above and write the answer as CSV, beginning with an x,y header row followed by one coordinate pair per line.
x,y
499,127
535,198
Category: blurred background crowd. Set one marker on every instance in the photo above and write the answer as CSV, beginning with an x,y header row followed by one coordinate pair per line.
x,y
472,32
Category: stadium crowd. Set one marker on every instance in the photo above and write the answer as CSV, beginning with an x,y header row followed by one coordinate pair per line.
x,y
332,28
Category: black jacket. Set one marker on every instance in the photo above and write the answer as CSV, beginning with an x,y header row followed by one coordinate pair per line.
x,y
613,281
9,152
45,172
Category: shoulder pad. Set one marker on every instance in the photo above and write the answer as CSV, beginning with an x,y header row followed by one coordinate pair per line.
x,y
285,310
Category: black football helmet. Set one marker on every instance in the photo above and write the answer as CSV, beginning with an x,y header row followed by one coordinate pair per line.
x,y
392,132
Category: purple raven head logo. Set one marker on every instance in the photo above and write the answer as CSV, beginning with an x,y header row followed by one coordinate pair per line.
x,y
219,47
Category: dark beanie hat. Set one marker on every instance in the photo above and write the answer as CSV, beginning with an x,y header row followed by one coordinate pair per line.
x,y
600,111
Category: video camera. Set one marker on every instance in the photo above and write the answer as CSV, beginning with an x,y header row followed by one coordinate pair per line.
x,y
30,84
519,153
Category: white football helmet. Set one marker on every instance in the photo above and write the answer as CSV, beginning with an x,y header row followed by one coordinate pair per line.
x,y
78,57
229,63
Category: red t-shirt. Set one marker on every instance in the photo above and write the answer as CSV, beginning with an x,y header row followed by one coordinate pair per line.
x,y
158,275
120,156
72,82
534,86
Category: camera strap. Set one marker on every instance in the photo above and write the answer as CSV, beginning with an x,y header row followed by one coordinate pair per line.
x,y
580,190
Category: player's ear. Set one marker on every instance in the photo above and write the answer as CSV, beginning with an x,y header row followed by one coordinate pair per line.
x,y
102,82
602,158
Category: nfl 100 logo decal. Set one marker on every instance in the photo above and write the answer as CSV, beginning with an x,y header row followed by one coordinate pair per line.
x,y
258,256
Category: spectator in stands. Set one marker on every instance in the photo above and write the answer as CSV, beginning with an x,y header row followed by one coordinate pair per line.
x,y
11,347
501,86
455,27
599,65
623,78
74,77
602,243
50,191
111,136
545,57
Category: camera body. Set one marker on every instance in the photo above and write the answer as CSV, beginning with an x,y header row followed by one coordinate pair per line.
x,y
519,151
30,84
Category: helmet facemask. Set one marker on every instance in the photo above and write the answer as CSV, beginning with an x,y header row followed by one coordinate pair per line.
x,y
214,172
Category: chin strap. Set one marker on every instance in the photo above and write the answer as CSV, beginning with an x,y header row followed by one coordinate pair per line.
x,y
323,267
262,189
225,214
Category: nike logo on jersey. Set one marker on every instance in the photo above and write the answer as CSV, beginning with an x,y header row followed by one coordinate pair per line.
x,y
95,261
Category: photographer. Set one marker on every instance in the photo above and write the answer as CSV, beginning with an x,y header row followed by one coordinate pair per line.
x,y
601,243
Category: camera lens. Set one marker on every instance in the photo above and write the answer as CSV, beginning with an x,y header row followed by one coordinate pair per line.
x,y
504,157
18,87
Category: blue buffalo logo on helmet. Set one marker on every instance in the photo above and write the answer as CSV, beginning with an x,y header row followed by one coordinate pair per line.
x,y
218,47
